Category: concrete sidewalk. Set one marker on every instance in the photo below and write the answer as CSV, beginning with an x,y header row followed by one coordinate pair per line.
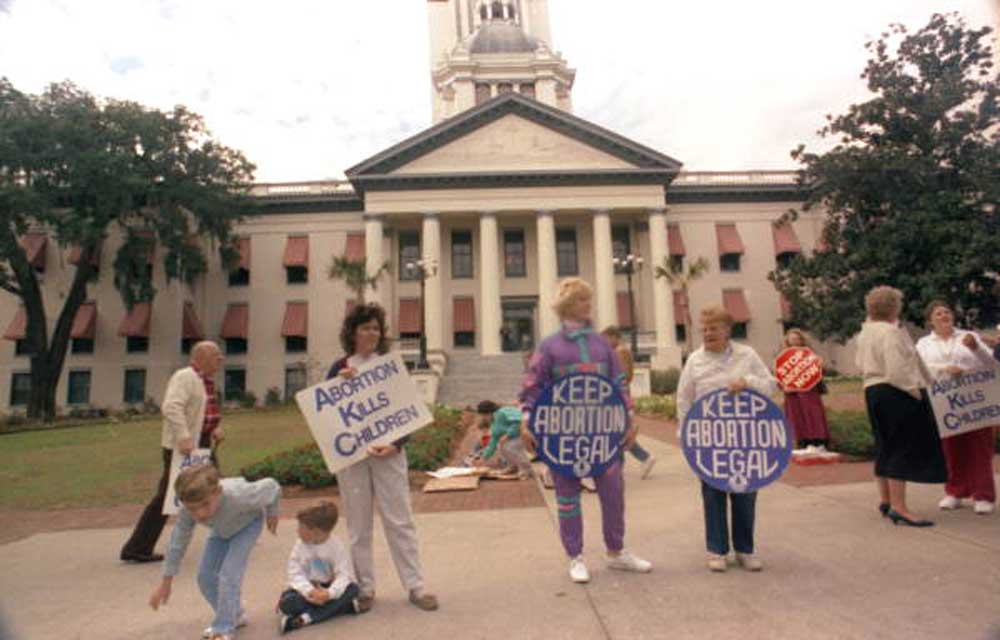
x,y
834,569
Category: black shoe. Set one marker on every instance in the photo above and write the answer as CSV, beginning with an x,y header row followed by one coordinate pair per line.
x,y
897,518
140,558
883,508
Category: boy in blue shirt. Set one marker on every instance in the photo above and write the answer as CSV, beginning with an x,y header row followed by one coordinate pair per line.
x,y
505,432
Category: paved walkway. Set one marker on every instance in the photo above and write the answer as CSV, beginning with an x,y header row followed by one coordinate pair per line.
x,y
835,569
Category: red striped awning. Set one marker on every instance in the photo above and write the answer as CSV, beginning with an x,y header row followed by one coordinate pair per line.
x,y
463,313
236,323
680,307
190,325
34,248
785,240
736,305
675,242
243,246
136,322
786,308
409,315
296,252
296,323
73,257
17,329
624,310
729,239
355,249
85,322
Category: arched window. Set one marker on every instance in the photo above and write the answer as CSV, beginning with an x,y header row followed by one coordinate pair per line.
x,y
484,12
497,10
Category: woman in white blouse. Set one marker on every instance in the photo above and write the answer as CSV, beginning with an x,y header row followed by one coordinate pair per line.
x,y
948,352
721,364
907,447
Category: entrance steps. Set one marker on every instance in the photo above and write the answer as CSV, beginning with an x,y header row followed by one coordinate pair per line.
x,y
472,377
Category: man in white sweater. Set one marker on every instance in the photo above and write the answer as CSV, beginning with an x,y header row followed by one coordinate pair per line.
x,y
190,417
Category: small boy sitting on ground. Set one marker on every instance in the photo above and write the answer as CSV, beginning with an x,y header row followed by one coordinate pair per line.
x,y
505,430
320,575
235,510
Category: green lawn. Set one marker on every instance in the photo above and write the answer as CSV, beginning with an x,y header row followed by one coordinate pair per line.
x,y
107,464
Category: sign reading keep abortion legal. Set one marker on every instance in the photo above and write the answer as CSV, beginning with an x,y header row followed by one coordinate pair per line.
x,y
179,462
967,402
377,406
736,442
579,422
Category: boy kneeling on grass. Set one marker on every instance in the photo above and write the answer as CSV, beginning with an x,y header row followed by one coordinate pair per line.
x,y
235,510
320,574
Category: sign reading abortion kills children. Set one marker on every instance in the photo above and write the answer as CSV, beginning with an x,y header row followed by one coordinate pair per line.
x,y
967,402
179,462
736,442
377,406
579,422
798,369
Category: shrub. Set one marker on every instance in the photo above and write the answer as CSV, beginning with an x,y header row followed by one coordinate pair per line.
x,y
664,381
249,400
273,397
659,406
851,434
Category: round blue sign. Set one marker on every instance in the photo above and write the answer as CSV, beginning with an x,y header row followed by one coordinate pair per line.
x,y
736,442
579,422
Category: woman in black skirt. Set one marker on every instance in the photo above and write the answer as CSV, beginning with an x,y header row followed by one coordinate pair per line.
x,y
907,446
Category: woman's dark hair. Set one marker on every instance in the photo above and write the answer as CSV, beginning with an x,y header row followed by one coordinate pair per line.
x,y
359,315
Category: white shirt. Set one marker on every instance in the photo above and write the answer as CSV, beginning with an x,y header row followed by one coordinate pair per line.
x,y
707,371
311,564
939,353
886,355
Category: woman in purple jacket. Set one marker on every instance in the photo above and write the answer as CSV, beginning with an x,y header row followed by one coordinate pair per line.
x,y
576,348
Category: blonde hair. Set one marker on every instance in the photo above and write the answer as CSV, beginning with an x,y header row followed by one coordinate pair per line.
x,y
883,302
570,290
715,313
196,484
785,342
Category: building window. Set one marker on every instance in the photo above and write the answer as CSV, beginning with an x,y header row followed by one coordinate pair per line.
x,y
621,245
20,389
528,89
739,331
186,344
235,384
677,264
296,344
236,346
513,252
22,347
785,259
239,277
79,388
135,386
82,345
297,275
465,339
409,335
461,254
409,251
729,262
137,344
566,252
680,332
295,381
482,93
504,87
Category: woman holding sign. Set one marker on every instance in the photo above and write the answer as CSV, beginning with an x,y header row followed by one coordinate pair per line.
x,y
721,364
804,409
950,352
907,447
383,475
577,348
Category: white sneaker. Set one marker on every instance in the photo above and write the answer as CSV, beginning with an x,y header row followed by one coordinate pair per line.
x,y
949,502
240,622
578,570
749,561
625,561
647,466
982,507
716,562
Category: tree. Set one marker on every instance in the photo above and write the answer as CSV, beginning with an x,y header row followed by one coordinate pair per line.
x,y
78,169
354,275
676,276
910,190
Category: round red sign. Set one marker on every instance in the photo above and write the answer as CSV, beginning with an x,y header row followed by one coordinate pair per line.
x,y
798,369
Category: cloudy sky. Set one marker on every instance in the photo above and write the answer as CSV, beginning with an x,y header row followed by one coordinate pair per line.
x,y
307,88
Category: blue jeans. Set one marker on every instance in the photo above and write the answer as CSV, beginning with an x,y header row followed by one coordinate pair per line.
x,y
292,603
220,575
716,526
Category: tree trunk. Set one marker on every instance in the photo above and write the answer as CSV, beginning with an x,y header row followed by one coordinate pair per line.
x,y
42,402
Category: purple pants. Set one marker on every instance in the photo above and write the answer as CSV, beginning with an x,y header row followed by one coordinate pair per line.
x,y
610,490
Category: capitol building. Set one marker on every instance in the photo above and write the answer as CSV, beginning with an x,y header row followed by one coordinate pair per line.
x,y
505,193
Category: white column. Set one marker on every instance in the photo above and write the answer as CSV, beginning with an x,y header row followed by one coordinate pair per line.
x,y
547,273
607,310
374,259
489,286
433,310
668,354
